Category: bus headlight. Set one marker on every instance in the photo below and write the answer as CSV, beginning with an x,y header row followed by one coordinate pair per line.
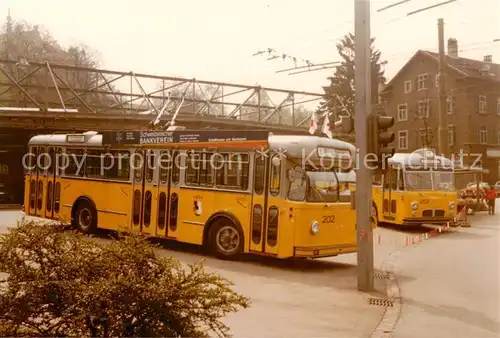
x,y
451,205
414,205
314,227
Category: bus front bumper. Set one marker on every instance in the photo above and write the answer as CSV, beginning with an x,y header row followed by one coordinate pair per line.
x,y
427,220
323,251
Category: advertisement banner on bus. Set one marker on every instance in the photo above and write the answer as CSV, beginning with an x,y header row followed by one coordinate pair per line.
x,y
163,137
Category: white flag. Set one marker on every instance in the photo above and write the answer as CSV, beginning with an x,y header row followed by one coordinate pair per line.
x,y
327,130
314,124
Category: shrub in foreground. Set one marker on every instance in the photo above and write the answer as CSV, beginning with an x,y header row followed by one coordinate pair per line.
x,y
62,283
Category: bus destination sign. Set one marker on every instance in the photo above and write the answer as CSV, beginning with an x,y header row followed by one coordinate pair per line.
x,y
182,136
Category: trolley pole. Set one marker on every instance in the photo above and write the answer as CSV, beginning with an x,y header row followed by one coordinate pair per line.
x,y
364,176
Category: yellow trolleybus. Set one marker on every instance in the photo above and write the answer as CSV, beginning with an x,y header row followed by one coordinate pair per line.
x,y
232,191
417,188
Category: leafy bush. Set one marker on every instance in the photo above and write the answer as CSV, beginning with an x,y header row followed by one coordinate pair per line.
x,y
60,283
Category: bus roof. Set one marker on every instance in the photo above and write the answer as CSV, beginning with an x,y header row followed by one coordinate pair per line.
x,y
295,145
416,160
299,145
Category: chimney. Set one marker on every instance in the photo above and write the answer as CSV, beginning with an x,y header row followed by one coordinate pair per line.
x,y
488,58
453,48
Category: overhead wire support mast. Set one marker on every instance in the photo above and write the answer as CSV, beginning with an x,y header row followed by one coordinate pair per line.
x,y
441,91
363,197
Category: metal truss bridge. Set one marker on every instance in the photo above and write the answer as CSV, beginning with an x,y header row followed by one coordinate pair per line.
x,y
44,95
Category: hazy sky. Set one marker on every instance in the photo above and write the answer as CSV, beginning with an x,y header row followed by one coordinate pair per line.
x,y
214,40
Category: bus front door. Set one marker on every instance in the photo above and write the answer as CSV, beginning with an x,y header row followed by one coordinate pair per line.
x,y
41,181
32,176
53,184
388,197
265,210
165,164
50,178
144,204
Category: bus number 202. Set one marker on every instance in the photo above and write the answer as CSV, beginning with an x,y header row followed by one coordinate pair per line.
x,y
328,219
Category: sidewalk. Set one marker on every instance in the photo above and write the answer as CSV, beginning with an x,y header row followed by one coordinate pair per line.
x,y
450,286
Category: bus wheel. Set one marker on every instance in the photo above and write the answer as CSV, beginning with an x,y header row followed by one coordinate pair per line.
x,y
226,240
374,217
85,217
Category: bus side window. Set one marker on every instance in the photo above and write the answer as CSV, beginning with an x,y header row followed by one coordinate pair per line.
x,y
199,171
76,165
233,171
119,165
377,179
387,179
150,165
176,167
274,188
259,174
401,181
394,179
165,164
93,164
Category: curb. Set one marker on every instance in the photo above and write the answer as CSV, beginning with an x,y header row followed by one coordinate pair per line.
x,y
393,292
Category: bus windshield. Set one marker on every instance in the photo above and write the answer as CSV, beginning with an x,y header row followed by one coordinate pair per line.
x,y
430,180
323,186
419,180
443,180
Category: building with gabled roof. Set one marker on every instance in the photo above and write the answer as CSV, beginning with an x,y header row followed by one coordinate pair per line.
x,y
472,106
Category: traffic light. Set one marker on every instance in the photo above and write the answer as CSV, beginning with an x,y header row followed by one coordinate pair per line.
x,y
381,138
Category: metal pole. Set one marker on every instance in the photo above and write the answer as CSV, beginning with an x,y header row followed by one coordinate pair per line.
x,y
364,176
442,91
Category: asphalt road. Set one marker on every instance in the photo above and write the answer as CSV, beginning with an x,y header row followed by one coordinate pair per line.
x,y
449,284
289,298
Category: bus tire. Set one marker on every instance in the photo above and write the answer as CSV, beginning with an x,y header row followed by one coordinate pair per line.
x,y
225,238
374,216
85,217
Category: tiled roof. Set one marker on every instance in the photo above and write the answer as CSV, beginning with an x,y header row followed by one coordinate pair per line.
x,y
471,68
466,67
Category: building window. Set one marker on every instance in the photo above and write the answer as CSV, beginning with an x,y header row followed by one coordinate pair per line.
x,y
407,87
482,104
452,135
403,139
422,81
450,104
498,106
483,135
425,136
423,109
403,112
